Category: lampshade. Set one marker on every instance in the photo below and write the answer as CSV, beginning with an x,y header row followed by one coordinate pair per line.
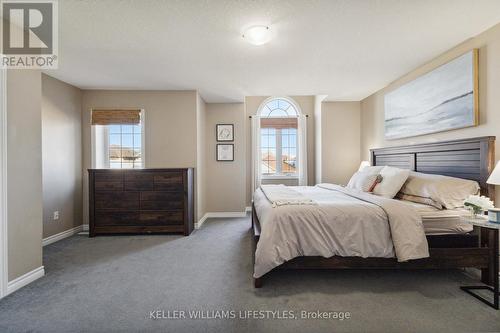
x,y
494,178
364,164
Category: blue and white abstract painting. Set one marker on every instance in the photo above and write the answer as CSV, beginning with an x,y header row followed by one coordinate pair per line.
x,y
440,100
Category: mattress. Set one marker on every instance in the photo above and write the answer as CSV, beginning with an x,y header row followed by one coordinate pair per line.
x,y
442,222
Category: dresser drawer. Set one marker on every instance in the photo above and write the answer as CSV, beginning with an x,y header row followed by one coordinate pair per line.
x,y
153,200
168,181
117,200
117,218
162,205
157,218
108,181
136,181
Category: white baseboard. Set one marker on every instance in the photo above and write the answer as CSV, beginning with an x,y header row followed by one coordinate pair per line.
x,y
248,209
198,224
25,279
61,235
85,227
226,214
218,215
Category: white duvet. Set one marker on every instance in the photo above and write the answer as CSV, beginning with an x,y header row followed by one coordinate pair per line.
x,y
343,223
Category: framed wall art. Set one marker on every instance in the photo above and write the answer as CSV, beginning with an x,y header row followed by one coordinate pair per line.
x,y
225,152
444,99
225,132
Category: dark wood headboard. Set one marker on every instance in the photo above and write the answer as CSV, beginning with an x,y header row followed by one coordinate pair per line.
x,y
466,158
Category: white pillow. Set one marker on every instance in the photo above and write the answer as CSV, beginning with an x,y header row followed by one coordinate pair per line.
x,y
392,181
372,170
362,181
448,191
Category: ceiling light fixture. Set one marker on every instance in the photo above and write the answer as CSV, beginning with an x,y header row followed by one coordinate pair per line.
x,y
257,34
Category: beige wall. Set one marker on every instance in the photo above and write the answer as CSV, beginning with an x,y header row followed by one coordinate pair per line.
x,y
200,158
170,126
225,181
372,116
24,171
252,104
340,141
61,155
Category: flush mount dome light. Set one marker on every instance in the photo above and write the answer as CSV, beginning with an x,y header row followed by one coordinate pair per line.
x,y
257,34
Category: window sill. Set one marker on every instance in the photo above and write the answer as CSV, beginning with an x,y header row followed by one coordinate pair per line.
x,y
280,177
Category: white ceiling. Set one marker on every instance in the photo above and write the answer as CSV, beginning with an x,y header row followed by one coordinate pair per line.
x,y
346,49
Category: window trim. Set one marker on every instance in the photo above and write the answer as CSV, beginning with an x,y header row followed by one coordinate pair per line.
x,y
143,140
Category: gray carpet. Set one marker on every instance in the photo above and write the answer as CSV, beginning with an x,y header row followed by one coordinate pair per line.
x,y
109,284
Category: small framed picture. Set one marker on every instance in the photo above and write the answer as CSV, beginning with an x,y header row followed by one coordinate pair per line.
x,y
225,132
225,152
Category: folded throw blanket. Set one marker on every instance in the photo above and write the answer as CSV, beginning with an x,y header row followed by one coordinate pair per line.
x,y
280,195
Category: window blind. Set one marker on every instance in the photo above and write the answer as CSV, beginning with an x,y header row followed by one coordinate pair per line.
x,y
115,117
278,122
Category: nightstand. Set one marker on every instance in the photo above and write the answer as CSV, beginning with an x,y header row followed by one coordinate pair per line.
x,y
489,239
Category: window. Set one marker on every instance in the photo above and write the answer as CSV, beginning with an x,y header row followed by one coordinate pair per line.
x,y
118,142
125,146
278,140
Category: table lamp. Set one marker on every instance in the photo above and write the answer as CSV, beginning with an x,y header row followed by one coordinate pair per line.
x,y
494,179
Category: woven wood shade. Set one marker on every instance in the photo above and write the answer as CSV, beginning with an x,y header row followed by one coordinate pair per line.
x,y
115,117
278,123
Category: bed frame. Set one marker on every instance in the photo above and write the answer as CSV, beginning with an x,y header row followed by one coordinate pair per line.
x,y
468,159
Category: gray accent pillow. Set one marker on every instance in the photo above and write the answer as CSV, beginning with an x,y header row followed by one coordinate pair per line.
x,y
420,200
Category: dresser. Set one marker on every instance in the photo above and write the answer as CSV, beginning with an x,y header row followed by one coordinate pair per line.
x,y
141,201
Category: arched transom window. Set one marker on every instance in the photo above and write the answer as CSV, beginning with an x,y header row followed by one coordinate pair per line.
x,y
279,141
278,108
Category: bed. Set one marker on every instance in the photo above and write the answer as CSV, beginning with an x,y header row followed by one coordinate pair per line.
x,y
450,243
